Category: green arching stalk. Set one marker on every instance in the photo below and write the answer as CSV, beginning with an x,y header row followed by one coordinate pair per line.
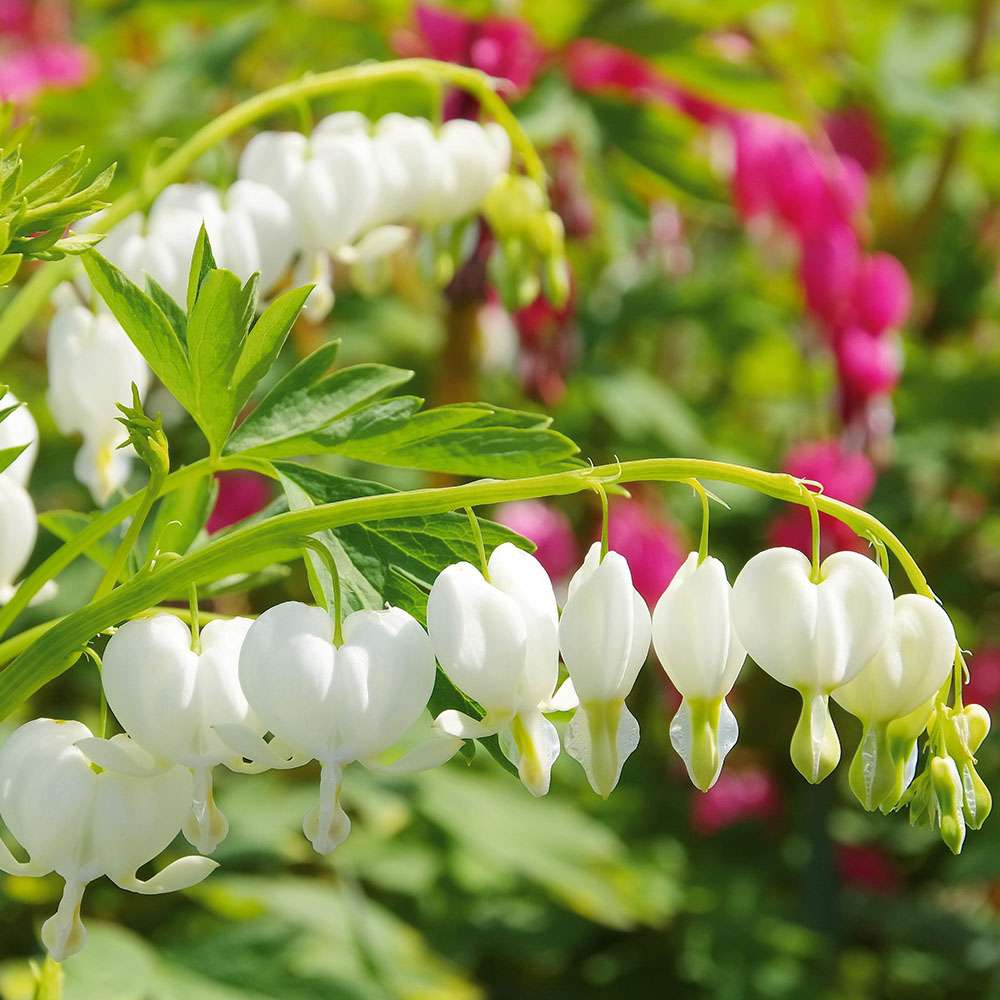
x,y
326,557
477,536
280,538
428,72
703,540
815,575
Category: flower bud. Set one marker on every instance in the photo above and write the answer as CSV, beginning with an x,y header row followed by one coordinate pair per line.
x,y
913,662
697,645
604,635
812,636
83,820
946,786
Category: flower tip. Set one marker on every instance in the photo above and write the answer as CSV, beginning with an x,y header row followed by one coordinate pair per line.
x,y
815,748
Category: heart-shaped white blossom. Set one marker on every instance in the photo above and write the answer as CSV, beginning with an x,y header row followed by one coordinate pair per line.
x,y
914,661
83,821
18,429
169,699
335,704
498,641
812,635
697,645
604,635
18,531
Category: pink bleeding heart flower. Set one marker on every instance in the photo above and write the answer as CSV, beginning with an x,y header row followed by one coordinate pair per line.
x,y
882,293
844,475
984,678
854,132
241,494
549,528
828,270
739,795
868,364
868,868
652,546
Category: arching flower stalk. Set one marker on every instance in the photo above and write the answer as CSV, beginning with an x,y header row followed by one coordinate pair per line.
x,y
497,639
812,631
81,818
695,640
604,635
169,696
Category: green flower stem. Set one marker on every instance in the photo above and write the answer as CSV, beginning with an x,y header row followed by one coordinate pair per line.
x,y
280,538
427,72
105,522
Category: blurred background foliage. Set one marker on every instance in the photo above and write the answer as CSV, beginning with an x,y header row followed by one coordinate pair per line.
x,y
688,334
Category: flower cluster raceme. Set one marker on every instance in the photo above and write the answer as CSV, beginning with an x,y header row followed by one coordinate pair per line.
x,y
18,521
297,686
345,196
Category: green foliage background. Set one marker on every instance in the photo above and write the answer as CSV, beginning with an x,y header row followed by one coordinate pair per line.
x,y
456,884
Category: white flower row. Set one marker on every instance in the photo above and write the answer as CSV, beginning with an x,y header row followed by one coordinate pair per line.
x,y
347,193
281,691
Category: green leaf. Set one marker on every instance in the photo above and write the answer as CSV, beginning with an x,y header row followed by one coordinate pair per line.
x,y
175,315
146,325
181,515
306,401
9,264
9,455
67,524
202,261
215,331
265,340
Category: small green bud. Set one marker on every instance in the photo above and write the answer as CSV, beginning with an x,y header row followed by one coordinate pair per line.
x,y
146,435
547,234
815,748
948,801
556,281
874,776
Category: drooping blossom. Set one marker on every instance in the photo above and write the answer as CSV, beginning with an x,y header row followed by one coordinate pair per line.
x,y
853,132
549,528
845,475
650,544
740,795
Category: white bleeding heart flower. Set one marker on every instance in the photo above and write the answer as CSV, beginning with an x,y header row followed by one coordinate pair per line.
x,y
250,226
811,635
912,664
82,820
426,184
333,704
479,155
18,428
168,698
697,645
497,639
92,365
604,635
18,531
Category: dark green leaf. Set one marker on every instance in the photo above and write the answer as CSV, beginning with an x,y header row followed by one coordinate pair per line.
x,y
9,455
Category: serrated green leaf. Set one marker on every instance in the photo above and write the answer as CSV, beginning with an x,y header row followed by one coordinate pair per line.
x,y
303,402
146,325
202,261
51,179
175,315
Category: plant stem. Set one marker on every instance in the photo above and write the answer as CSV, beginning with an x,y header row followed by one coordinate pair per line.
x,y
477,536
422,71
280,538
703,540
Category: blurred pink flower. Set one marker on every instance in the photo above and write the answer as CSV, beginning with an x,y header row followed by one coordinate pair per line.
x,y
847,476
854,132
549,528
506,48
597,67
739,795
882,294
868,364
547,340
651,545
241,494
864,866
984,678
35,52
828,270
